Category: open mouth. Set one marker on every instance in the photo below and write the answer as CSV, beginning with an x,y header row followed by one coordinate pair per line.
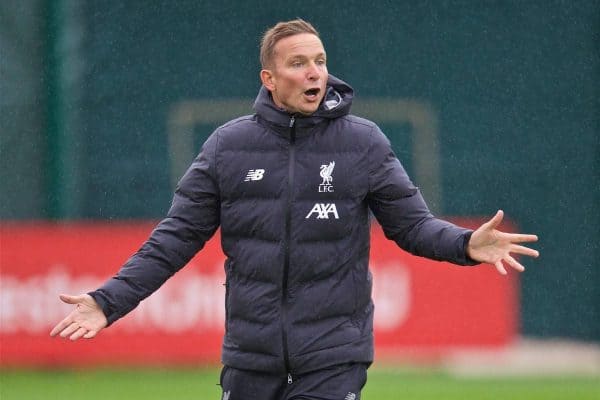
x,y
312,93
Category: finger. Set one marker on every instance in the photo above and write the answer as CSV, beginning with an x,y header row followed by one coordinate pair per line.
x,y
520,237
61,325
70,299
78,334
516,237
514,263
90,334
69,330
500,267
526,251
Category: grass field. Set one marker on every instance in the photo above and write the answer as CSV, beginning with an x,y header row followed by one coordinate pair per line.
x,y
198,384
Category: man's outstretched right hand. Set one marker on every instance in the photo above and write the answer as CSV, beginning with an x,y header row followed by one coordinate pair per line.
x,y
86,320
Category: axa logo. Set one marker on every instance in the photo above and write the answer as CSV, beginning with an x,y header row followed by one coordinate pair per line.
x,y
323,210
254,175
326,171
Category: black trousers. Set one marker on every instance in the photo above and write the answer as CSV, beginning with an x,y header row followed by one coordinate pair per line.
x,y
340,382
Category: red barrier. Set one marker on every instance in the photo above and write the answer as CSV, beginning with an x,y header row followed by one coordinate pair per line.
x,y
421,306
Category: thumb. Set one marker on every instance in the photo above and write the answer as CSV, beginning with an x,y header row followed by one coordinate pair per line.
x,y
495,221
70,299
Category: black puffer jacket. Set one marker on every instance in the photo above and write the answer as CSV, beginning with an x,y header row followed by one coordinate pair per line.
x,y
291,194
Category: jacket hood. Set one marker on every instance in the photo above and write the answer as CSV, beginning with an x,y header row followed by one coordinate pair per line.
x,y
336,103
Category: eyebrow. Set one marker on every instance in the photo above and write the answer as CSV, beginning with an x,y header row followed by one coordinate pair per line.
x,y
297,56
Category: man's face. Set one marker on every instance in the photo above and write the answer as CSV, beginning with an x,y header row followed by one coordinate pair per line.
x,y
298,76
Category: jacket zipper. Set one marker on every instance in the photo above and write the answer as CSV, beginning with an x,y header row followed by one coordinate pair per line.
x,y
288,238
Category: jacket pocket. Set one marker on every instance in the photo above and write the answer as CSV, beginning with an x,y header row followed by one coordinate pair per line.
x,y
363,285
228,268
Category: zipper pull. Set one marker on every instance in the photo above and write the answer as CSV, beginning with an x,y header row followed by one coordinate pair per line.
x,y
290,381
292,121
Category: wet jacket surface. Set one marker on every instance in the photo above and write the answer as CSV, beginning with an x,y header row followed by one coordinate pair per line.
x,y
291,195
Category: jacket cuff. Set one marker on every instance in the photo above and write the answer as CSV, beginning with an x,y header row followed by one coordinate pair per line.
x,y
105,306
468,260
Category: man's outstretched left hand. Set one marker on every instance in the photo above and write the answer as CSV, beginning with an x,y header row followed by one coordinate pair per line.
x,y
491,246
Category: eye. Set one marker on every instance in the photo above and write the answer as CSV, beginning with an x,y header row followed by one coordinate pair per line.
x,y
320,62
297,64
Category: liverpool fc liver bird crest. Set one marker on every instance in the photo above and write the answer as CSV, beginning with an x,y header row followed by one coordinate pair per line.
x,y
326,171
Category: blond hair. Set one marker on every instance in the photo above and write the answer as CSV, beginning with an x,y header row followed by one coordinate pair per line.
x,y
278,32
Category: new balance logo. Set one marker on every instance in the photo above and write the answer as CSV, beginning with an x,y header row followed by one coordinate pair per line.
x,y
323,210
254,175
350,396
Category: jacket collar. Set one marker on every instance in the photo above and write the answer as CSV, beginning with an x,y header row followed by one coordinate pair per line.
x,y
336,103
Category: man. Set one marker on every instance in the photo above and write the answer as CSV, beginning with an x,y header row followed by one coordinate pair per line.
x,y
291,188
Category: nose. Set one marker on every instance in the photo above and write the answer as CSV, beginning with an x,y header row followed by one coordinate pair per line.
x,y
313,73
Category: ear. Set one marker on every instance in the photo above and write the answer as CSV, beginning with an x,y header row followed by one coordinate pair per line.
x,y
267,79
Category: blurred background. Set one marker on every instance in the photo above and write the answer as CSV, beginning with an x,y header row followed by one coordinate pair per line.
x,y
489,105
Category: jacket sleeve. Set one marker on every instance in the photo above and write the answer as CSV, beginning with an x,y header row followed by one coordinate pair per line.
x,y
402,212
191,221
